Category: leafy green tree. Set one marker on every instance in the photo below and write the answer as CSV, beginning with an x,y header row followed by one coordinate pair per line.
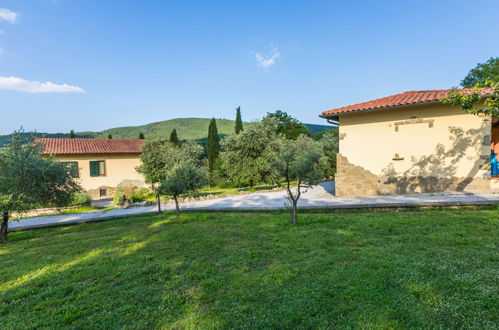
x,y
72,134
174,138
481,73
239,122
29,180
110,136
290,127
249,156
159,159
213,149
330,144
186,177
483,85
141,136
301,161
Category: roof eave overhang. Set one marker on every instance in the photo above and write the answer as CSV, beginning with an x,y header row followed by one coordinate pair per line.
x,y
336,115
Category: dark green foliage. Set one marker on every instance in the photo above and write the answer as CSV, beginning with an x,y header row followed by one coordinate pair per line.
x,y
289,127
141,136
301,161
110,136
249,156
213,150
174,138
72,134
185,178
238,127
28,180
481,73
330,144
352,269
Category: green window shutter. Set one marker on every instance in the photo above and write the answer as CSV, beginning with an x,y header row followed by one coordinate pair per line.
x,y
75,173
94,168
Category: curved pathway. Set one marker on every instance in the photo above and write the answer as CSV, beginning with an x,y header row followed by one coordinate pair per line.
x,y
321,196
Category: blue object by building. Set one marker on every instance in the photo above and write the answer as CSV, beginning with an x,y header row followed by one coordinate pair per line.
x,y
494,163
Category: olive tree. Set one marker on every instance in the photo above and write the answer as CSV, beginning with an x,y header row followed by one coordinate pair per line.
x,y
29,180
250,155
159,159
184,178
302,162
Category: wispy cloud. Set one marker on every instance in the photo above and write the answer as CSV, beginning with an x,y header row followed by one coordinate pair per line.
x,y
267,61
34,87
8,15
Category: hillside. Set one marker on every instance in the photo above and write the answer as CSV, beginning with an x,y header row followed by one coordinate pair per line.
x,y
187,129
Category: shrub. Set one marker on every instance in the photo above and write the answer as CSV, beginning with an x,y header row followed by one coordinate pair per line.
x,y
81,198
132,194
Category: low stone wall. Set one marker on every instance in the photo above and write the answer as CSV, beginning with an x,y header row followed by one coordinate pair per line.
x,y
95,193
353,180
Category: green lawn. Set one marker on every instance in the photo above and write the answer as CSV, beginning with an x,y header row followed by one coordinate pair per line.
x,y
433,268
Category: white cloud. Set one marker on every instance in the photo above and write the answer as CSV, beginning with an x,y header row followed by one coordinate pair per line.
x,y
33,87
8,15
266,62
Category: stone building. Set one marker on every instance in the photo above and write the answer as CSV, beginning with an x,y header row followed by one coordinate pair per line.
x,y
413,143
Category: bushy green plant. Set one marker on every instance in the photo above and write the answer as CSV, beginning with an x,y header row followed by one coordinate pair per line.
x,y
132,194
81,198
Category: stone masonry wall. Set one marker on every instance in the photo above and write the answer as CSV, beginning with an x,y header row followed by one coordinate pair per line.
x,y
353,180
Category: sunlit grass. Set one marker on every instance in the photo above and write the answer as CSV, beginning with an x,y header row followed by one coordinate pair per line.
x,y
434,268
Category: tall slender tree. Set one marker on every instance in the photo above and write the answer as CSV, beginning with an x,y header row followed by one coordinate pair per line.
x,y
72,134
174,138
213,149
141,136
239,123
110,136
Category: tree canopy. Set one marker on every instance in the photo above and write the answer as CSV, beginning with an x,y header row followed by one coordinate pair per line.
x,y
184,178
213,148
302,161
174,138
249,156
481,73
238,128
288,126
159,160
483,79
29,180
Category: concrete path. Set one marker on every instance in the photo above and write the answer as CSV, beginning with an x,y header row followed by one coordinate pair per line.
x,y
320,196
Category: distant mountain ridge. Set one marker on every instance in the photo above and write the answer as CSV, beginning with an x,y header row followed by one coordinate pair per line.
x,y
187,129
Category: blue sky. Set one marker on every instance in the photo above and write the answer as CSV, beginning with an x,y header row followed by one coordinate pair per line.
x,y
93,64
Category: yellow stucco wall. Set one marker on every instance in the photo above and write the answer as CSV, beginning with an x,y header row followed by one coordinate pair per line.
x,y
428,141
119,167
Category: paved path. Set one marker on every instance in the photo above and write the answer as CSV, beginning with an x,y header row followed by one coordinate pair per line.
x,y
320,196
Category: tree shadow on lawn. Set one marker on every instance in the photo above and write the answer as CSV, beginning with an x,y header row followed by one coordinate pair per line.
x,y
206,270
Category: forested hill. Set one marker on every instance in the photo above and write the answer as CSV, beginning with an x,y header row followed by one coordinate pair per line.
x,y
187,129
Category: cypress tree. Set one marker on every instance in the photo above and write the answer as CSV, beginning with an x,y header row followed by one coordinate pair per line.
x,y
213,146
174,138
110,136
141,136
239,122
72,134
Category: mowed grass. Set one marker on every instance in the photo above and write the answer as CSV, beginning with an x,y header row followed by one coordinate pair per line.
x,y
435,268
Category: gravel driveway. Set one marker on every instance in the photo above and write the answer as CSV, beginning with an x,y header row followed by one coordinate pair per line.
x,y
321,196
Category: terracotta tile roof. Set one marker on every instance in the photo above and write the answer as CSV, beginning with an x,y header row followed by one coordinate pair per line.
x,y
398,100
68,146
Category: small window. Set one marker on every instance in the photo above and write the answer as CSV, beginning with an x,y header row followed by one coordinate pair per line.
x,y
102,192
97,168
72,169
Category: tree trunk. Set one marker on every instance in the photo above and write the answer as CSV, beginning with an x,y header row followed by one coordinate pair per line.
x,y
159,203
177,209
251,184
294,215
4,225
